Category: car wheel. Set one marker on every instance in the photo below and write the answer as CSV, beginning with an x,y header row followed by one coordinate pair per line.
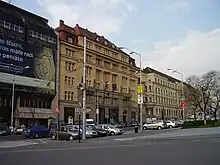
x,y
145,128
71,138
54,137
36,135
170,126
159,128
112,133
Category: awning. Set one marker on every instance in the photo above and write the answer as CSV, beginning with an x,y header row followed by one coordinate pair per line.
x,y
37,113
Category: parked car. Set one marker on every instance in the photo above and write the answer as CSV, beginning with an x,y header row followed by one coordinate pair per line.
x,y
171,124
36,131
134,124
101,132
19,130
89,132
117,125
155,124
180,123
112,130
4,130
90,122
66,134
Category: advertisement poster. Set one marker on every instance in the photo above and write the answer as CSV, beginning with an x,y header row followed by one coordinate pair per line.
x,y
30,65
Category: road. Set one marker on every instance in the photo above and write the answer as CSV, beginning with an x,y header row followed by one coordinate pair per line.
x,y
188,150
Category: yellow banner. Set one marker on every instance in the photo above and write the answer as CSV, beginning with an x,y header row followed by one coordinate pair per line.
x,y
140,89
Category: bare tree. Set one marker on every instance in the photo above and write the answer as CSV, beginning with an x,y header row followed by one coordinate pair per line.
x,y
204,86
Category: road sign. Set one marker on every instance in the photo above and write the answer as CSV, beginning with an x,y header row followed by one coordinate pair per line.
x,y
140,99
70,120
80,110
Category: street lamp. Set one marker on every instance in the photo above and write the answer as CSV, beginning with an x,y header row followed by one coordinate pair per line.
x,y
140,83
182,85
13,93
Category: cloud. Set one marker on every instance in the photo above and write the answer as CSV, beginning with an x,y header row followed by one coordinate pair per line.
x,y
177,5
197,53
102,16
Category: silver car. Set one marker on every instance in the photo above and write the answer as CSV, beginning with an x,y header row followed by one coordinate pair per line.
x,y
111,129
155,124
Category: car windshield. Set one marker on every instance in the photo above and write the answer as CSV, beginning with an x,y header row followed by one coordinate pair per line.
x,y
112,126
73,131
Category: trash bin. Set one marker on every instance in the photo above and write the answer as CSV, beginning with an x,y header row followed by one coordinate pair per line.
x,y
136,129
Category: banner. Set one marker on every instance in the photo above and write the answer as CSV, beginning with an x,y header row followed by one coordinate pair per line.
x,y
31,65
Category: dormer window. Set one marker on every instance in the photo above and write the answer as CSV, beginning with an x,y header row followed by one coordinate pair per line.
x,y
113,45
106,43
97,39
70,40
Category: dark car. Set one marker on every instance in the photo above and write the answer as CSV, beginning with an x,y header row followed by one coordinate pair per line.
x,y
101,132
36,132
4,130
66,134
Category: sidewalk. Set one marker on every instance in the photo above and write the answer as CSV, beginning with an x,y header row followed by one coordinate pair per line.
x,y
177,133
14,144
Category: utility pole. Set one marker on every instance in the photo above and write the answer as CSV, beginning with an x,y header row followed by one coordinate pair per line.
x,y
97,107
12,99
84,91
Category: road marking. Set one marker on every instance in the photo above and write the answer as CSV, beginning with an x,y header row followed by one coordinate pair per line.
x,y
65,149
14,144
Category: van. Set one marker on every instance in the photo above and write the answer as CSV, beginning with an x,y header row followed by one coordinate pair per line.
x,y
90,122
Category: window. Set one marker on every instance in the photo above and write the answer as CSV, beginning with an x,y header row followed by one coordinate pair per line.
x,y
115,66
89,58
65,95
98,48
88,71
70,40
89,45
72,96
7,25
106,52
69,52
115,55
107,64
66,79
149,88
98,61
69,66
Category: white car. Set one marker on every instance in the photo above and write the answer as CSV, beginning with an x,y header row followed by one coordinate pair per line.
x,y
155,124
171,124
111,129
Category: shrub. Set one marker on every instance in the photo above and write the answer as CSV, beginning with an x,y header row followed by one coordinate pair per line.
x,y
200,124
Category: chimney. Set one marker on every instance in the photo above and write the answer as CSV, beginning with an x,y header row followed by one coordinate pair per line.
x,y
77,25
61,22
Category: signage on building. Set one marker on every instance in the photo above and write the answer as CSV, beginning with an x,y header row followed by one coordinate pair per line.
x,y
39,61
140,99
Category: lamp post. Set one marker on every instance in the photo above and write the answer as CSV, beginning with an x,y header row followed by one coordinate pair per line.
x,y
140,84
182,89
84,90
13,93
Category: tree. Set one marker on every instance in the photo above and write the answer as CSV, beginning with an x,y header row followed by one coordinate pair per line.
x,y
204,90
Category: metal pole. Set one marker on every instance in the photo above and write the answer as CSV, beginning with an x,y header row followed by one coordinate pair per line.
x,y
141,105
183,106
79,127
58,80
84,91
12,100
97,107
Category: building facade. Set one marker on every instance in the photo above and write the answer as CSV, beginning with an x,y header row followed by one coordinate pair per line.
x,y
162,95
111,80
27,60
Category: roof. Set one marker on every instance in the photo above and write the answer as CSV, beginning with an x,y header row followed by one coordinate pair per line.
x,y
9,7
97,38
66,28
150,70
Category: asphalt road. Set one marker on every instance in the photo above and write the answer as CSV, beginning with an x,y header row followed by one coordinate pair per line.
x,y
182,151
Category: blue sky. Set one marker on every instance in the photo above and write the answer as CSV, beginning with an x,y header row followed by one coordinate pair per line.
x,y
179,34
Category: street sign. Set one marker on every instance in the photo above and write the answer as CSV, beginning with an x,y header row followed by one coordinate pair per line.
x,y
140,99
80,110
70,120
97,111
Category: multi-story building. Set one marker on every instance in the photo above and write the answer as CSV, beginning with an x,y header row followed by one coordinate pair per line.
x,y
111,78
162,95
27,60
